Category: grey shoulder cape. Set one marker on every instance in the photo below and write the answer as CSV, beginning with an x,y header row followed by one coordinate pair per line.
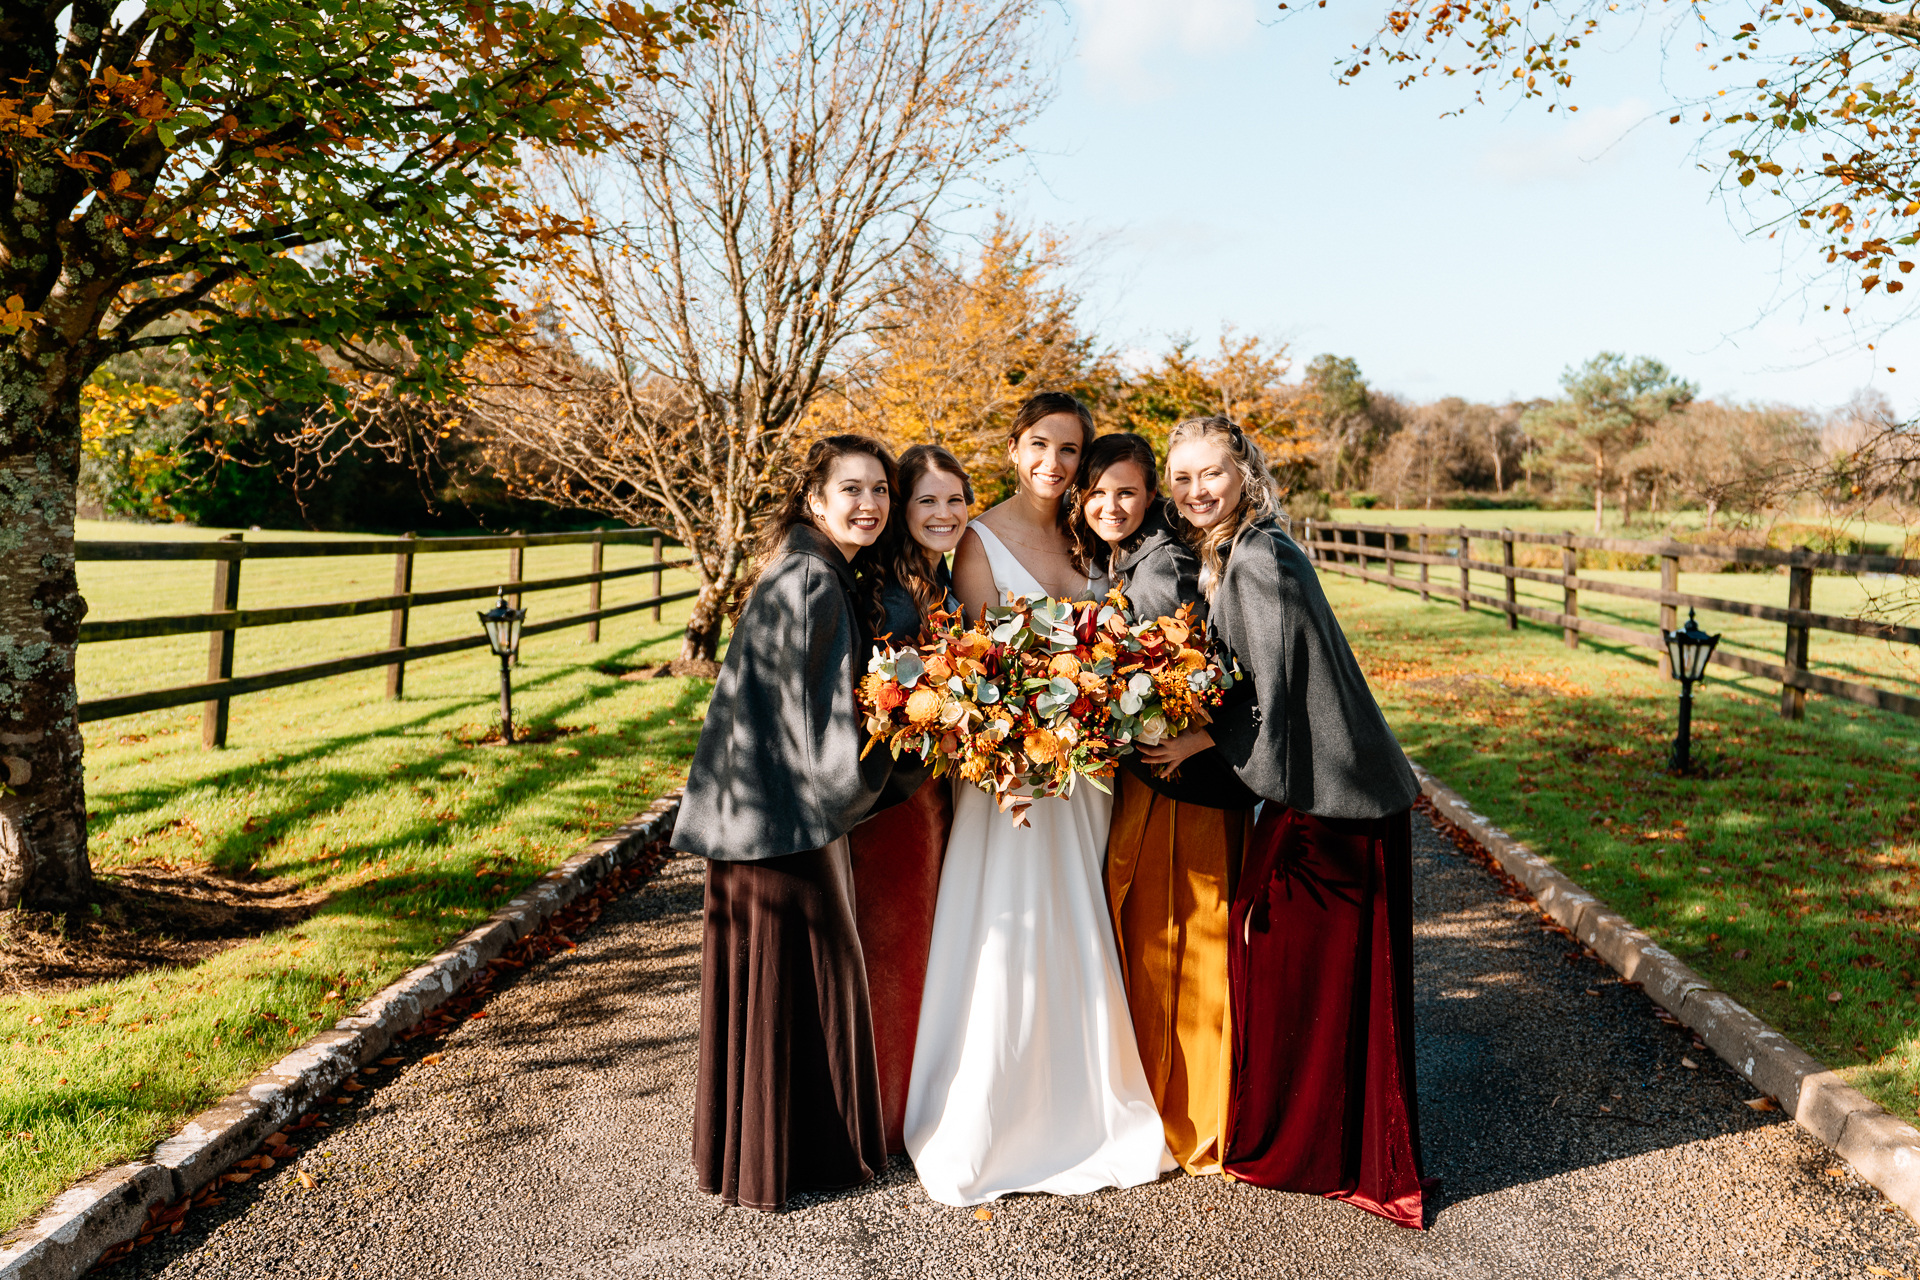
x,y
1315,739
778,768
1158,575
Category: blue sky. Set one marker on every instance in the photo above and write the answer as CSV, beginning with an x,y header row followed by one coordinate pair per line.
x,y
1220,175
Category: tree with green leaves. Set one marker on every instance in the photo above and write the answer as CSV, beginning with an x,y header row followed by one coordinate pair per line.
x,y
278,188
1611,406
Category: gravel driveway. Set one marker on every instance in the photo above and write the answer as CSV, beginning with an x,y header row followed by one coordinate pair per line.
x,y
551,1139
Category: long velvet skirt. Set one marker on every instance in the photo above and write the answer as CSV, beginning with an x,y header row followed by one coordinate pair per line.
x,y
1170,871
786,1098
1321,965
896,876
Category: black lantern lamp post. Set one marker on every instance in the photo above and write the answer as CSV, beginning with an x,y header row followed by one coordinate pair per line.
x,y
1688,649
502,623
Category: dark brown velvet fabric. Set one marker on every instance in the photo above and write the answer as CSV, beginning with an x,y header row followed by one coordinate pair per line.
x,y
1320,965
786,1098
896,876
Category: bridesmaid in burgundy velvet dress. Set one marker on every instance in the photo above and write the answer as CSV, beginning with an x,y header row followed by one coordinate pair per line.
x,y
898,851
1320,963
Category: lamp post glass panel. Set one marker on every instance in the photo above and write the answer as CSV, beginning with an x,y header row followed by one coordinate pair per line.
x,y
502,624
1689,648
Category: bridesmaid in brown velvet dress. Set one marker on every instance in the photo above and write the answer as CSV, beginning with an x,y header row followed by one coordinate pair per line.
x,y
1320,934
787,1097
898,851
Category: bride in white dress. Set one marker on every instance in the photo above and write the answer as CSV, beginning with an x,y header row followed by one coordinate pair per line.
x,y
1025,1073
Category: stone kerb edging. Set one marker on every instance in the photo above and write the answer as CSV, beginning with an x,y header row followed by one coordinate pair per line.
x,y
90,1218
1882,1148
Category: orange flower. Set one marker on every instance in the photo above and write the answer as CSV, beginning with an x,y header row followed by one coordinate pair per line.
x,y
1175,633
923,706
938,670
1042,747
1064,664
890,696
1192,659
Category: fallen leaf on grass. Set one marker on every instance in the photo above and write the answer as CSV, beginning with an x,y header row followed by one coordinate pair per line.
x,y
1833,997
1763,1103
307,1180
1781,984
1689,1064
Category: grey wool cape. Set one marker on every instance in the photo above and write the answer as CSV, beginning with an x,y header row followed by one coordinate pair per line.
x,y
1313,739
778,768
1158,575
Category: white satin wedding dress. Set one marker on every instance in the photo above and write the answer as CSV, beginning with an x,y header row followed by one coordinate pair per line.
x,y
1025,1073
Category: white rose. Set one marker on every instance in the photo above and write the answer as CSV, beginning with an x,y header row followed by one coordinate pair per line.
x,y
1152,729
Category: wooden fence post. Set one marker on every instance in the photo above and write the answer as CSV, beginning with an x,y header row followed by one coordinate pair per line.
x,y
1425,596
658,543
1466,553
397,625
1392,547
1570,581
1669,612
1506,558
593,591
1793,701
226,598
516,571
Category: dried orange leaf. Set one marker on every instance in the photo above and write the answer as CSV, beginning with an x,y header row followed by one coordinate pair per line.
x,y
983,1214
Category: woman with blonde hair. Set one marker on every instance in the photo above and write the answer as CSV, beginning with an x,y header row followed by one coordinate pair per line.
x,y
1176,842
1320,963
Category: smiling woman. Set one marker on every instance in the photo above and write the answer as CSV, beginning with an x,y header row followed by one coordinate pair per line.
x,y
788,1093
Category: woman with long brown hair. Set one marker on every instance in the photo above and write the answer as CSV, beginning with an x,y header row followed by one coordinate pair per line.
x,y
1176,842
787,1096
897,852
1320,932
1025,1074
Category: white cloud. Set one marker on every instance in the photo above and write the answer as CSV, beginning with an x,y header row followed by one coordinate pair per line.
x,y
1586,144
1117,36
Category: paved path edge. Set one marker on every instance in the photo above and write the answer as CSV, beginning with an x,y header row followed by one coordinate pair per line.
x,y
1881,1147
92,1216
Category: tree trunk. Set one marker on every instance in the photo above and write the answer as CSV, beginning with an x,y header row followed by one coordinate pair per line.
x,y
701,641
43,811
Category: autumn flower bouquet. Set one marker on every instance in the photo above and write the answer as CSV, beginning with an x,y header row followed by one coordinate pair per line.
x,y
1039,694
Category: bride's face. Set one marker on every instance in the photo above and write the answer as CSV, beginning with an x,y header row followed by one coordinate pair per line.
x,y
1116,502
1204,482
1046,456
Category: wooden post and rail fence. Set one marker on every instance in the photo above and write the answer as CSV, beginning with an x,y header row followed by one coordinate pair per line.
x,y
1353,550
226,619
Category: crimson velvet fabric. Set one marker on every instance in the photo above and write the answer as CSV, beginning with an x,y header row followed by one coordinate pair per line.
x,y
786,1098
1320,970
896,876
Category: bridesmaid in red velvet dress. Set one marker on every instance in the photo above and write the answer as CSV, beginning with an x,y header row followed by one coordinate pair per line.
x,y
1320,941
898,851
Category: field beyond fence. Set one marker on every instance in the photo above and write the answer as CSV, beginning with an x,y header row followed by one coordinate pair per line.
x,y
1441,561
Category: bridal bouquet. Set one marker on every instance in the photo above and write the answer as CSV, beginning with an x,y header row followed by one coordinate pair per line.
x,y
1039,694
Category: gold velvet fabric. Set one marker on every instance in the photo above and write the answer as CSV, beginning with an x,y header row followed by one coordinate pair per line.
x,y
1170,872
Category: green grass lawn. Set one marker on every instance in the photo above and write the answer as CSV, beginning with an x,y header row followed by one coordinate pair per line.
x,y
412,831
1790,876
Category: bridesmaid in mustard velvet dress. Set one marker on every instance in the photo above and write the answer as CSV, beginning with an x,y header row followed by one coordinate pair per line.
x,y
897,852
1175,844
